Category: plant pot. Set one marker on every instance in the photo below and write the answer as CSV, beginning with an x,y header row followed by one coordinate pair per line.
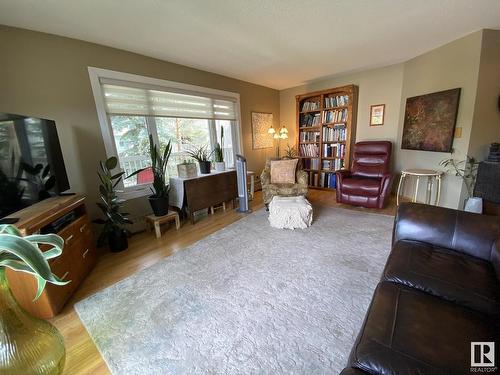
x,y
220,166
159,205
474,204
117,240
204,167
28,345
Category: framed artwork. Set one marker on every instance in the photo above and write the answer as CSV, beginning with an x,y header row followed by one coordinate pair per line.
x,y
261,122
377,114
430,120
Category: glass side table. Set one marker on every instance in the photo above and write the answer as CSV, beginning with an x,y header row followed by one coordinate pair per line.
x,y
431,175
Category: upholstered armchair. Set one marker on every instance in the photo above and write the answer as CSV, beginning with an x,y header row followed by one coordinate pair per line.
x,y
284,190
368,183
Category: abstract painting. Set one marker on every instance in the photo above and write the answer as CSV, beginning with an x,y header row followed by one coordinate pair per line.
x,y
430,119
261,122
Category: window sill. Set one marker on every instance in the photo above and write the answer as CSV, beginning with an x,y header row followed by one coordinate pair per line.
x,y
135,192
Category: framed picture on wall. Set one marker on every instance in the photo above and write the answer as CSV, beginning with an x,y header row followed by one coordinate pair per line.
x,y
261,122
430,119
377,114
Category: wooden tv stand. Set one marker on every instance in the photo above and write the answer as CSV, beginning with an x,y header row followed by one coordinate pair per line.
x,y
76,261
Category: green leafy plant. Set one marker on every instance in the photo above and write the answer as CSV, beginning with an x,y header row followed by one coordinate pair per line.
x,y
290,152
24,255
218,150
465,169
110,203
41,179
159,162
200,154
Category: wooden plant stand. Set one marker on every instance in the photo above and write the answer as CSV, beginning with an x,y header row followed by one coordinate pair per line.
x,y
156,221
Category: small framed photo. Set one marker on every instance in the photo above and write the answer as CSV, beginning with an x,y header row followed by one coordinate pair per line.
x,y
377,114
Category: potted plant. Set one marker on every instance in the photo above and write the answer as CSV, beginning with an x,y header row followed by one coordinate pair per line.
x,y
202,155
220,166
159,161
112,232
23,336
467,171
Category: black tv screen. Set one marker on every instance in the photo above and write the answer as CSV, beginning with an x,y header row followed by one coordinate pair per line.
x,y
31,163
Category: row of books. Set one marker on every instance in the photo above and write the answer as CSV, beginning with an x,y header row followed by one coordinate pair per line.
x,y
336,115
335,134
310,106
322,179
328,180
332,165
309,136
310,119
331,150
311,150
310,163
336,101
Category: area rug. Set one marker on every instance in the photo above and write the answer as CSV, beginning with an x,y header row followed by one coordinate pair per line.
x,y
248,299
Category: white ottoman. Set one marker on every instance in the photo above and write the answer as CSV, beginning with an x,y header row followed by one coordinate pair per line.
x,y
290,212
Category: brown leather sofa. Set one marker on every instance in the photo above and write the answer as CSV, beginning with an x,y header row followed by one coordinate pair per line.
x,y
439,292
368,183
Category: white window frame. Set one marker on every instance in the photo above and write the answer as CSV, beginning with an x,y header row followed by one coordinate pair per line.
x,y
95,74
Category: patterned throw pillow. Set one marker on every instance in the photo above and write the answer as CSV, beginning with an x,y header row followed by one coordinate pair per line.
x,y
283,171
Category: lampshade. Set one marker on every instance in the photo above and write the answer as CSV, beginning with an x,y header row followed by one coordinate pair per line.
x,y
271,130
283,136
283,130
276,136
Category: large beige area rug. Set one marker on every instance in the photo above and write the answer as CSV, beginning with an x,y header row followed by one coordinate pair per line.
x,y
248,299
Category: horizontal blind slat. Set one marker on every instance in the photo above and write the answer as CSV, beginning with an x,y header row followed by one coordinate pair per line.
x,y
122,100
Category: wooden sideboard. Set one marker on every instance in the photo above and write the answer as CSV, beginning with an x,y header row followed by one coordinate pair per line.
x,y
76,261
209,190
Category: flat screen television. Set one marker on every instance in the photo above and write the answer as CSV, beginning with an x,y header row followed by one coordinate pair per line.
x,y
31,162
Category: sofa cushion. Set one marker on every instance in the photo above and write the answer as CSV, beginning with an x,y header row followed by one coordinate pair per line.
x,y
352,371
451,275
407,331
283,171
361,186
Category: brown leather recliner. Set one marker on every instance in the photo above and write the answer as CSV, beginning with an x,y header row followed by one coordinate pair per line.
x,y
368,183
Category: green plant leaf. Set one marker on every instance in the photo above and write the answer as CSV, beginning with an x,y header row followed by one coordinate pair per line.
x,y
111,163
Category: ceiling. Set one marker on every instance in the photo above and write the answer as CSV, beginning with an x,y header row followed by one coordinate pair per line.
x,y
275,43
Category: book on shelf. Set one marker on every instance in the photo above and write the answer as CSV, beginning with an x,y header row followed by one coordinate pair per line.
x,y
310,106
332,165
328,180
309,119
309,136
311,163
331,150
336,101
309,150
335,115
335,134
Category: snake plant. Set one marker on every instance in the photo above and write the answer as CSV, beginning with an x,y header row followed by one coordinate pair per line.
x,y
24,255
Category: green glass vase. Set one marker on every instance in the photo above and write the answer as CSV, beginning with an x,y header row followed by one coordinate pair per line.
x,y
28,345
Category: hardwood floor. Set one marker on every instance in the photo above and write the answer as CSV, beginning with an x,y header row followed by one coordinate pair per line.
x,y
145,250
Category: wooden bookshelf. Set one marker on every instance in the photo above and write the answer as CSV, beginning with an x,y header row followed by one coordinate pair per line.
x,y
326,122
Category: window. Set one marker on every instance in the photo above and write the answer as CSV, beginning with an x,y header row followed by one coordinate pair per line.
x,y
132,107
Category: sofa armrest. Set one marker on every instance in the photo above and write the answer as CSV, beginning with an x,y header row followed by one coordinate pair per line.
x,y
468,233
301,177
265,176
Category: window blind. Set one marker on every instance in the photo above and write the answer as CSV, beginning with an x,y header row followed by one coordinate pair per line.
x,y
129,100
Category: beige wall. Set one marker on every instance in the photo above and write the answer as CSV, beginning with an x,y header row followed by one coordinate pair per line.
x,y
46,76
486,121
376,86
453,65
